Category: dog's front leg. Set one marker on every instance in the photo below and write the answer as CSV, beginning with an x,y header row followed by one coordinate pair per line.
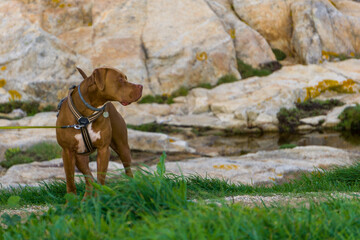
x,y
69,167
102,160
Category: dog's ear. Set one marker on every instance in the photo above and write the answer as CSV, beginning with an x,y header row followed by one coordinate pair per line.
x,y
81,72
99,77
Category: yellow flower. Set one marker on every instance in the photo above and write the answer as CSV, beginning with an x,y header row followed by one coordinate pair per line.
x,y
226,166
232,33
201,56
2,82
3,68
14,95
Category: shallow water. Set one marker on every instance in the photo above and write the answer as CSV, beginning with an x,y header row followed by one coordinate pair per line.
x,y
237,145
217,145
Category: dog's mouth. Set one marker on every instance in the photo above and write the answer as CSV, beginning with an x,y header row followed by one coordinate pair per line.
x,y
125,103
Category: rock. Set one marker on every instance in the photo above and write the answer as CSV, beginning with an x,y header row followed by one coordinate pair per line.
x,y
34,173
313,121
120,25
250,46
198,101
24,138
312,29
305,128
271,18
256,101
16,113
34,63
80,39
321,30
137,114
156,142
350,8
332,117
202,120
195,40
263,166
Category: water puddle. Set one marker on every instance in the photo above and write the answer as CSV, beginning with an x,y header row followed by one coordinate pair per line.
x,y
218,145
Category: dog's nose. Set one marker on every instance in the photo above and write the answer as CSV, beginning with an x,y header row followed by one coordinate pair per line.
x,y
140,86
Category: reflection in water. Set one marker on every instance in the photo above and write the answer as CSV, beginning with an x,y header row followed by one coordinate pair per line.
x,y
344,140
238,145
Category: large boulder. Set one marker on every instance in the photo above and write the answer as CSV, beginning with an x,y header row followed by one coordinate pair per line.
x,y
195,40
322,31
33,62
57,17
264,166
134,37
254,102
250,46
271,18
34,173
310,30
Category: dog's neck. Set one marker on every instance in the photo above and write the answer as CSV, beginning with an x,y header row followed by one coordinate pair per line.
x,y
87,90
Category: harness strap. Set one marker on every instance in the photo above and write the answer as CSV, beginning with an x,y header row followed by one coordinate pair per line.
x,y
83,121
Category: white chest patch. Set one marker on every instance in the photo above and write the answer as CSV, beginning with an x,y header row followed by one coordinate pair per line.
x,y
93,136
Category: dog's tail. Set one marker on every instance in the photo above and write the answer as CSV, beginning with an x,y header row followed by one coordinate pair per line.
x,y
82,73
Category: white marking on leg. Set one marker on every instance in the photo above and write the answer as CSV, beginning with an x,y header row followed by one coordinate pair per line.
x,y
93,135
81,144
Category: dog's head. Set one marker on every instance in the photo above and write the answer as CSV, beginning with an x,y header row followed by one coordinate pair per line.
x,y
113,85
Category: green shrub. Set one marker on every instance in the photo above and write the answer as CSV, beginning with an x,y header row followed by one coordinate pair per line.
x,y
205,85
153,99
288,146
280,55
226,79
38,152
154,127
319,105
289,119
162,99
247,70
350,119
31,108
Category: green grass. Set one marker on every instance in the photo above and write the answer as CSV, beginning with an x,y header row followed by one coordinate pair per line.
x,y
289,119
280,55
350,119
287,146
31,108
154,127
39,152
247,70
165,99
341,179
226,79
155,206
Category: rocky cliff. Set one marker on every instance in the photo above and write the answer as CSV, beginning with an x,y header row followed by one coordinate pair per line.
x,y
165,44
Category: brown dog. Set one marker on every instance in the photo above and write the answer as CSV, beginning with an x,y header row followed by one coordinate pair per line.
x,y
108,129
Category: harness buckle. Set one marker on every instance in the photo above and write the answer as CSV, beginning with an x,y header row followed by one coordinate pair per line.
x,y
83,121
77,126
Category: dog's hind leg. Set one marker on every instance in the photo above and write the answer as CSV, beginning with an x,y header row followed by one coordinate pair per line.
x,y
82,163
119,140
123,150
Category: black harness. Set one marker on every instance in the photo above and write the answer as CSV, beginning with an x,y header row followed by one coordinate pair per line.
x,y
83,122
